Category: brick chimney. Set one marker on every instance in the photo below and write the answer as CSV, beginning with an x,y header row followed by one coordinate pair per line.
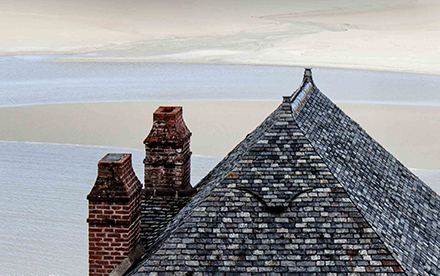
x,y
114,217
167,154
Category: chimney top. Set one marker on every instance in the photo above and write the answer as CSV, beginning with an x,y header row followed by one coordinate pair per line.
x,y
113,182
168,109
114,157
168,114
168,126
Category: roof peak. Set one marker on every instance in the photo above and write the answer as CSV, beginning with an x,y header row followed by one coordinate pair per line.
x,y
308,75
306,84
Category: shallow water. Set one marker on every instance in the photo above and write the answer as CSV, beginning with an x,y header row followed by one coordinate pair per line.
x,y
43,206
28,80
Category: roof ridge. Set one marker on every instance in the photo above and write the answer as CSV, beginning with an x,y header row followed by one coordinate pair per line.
x,y
306,84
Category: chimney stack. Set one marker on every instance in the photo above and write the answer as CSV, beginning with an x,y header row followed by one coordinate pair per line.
x,y
167,154
114,217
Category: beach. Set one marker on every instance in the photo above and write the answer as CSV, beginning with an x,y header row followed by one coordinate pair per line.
x,y
384,35
408,132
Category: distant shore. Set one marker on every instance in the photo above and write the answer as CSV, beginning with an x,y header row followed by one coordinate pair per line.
x,y
386,35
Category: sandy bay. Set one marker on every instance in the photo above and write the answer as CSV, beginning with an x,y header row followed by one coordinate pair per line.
x,y
387,35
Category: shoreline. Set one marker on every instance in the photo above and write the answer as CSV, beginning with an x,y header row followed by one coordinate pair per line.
x,y
408,132
316,65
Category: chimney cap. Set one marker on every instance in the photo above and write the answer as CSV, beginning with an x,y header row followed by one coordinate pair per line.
x,y
114,182
168,110
168,127
114,157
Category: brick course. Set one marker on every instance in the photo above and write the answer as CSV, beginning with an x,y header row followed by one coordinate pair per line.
x,y
114,214
167,154
167,172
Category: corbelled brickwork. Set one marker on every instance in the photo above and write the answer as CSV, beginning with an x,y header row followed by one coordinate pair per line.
x,y
167,154
167,172
114,215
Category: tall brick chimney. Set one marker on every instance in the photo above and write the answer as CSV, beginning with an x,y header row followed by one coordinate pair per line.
x,y
167,154
114,217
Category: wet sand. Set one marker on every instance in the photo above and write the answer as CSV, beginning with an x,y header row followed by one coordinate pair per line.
x,y
408,132
384,35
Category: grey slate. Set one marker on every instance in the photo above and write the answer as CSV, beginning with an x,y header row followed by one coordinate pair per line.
x,y
401,208
309,192
156,213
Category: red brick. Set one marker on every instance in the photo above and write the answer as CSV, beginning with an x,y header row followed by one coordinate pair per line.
x,y
110,243
171,130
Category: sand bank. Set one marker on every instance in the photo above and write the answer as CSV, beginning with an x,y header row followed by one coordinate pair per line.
x,y
409,132
217,126
377,35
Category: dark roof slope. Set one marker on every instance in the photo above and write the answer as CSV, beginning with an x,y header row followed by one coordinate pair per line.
x,y
401,208
156,214
307,192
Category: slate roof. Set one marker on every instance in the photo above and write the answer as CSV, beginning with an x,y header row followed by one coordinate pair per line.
x,y
156,213
308,192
